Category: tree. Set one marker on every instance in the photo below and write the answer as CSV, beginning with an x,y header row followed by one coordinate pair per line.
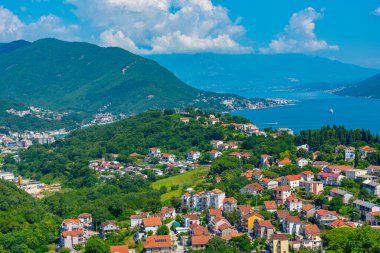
x,y
217,244
336,203
95,245
242,243
163,230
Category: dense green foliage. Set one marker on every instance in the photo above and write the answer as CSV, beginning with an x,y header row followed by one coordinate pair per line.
x,y
346,240
25,224
82,77
367,88
336,135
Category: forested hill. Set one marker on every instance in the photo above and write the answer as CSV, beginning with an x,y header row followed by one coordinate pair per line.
x,y
368,88
25,223
77,76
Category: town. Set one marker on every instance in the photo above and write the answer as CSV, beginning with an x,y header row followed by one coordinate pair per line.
x,y
284,213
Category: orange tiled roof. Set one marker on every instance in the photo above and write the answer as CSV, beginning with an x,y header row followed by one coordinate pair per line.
x,y
265,223
282,188
293,177
120,249
200,239
337,223
285,161
255,187
199,230
230,200
84,215
307,207
65,221
312,229
157,241
152,222
270,205
244,209
72,233
281,214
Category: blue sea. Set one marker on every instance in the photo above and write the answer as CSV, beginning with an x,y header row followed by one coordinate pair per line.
x,y
313,111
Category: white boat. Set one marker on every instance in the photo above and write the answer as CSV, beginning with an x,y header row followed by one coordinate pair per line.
x,y
331,110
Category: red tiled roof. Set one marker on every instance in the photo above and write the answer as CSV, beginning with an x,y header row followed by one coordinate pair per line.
x,y
285,161
199,230
337,223
367,148
230,200
200,239
293,219
282,188
213,152
322,212
192,216
120,249
255,187
157,241
266,180
152,222
270,205
65,221
326,175
281,214
312,229
134,155
281,237
308,172
244,209
72,233
215,212
340,167
293,177
307,207
84,215
265,223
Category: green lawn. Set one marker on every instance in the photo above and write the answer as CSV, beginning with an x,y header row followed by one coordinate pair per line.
x,y
190,178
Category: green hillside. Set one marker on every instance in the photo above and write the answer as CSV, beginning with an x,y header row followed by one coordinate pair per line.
x,y
367,88
83,77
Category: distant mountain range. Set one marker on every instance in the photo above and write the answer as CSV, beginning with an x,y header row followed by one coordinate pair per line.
x,y
231,73
60,75
368,88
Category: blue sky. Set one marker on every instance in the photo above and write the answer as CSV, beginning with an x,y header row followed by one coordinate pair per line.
x,y
346,30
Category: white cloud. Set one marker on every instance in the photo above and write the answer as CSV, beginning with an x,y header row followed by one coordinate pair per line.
x,y
299,35
12,28
377,11
10,25
163,26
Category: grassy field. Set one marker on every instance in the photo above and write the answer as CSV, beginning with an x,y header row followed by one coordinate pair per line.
x,y
190,178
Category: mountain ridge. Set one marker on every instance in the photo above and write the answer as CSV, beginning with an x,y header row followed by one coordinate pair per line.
x,y
369,88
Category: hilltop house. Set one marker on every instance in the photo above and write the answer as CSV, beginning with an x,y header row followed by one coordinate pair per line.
x,y
302,162
292,180
193,156
253,189
151,224
346,196
229,204
349,154
108,227
284,162
204,200
154,152
268,183
372,187
281,193
292,203
364,151
214,154
366,207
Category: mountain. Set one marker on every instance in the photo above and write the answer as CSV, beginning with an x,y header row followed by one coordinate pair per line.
x,y
367,88
9,47
255,71
77,76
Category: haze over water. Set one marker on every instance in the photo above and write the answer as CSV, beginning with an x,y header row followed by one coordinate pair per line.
x,y
313,111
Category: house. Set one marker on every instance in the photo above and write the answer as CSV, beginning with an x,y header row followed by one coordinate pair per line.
x,y
337,169
119,249
280,243
185,120
213,213
307,211
167,213
217,144
228,146
307,176
349,154
346,196
193,156
373,218
339,148
229,205
373,170
69,239
284,162
366,207
264,229
253,189
213,122
137,219
331,179
312,237
365,150
154,152
292,203
268,183
168,158
265,160
355,174
325,217
158,243
236,154
244,209
200,242
305,146
248,221
151,224
292,225
188,220
196,229
301,162
313,187
270,206
292,180
204,200
257,174
342,224
214,154
85,219
372,187
282,214
108,227
71,225
320,164
226,230
281,193
247,174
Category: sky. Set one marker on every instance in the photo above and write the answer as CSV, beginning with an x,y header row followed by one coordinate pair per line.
x,y
345,30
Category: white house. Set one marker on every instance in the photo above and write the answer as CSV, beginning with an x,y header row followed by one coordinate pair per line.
x,y
168,158
301,162
355,173
193,156
154,152
214,154
151,224
372,187
69,239
349,154
292,203
305,146
292,180
281,193
292,225
108,227
253,189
